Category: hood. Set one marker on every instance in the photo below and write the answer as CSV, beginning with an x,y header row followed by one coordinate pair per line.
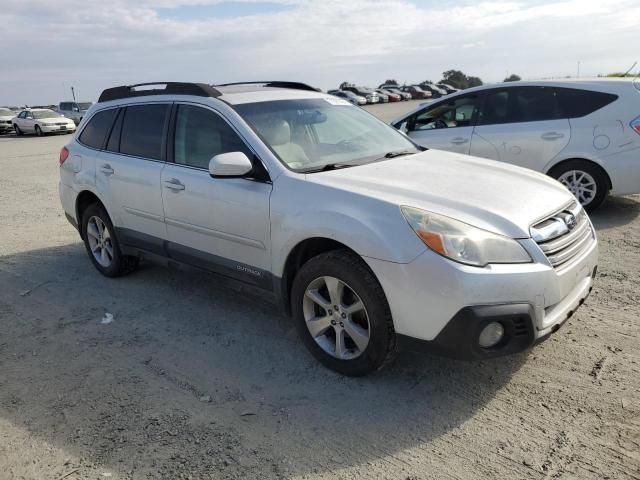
x,y
491,195
7,117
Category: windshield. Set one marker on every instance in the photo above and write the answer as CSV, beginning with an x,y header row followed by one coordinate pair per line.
x,y
5,111
310,134
45,114
84,105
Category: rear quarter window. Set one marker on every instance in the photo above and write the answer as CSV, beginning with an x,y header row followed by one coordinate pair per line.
x,y
574,103
95,132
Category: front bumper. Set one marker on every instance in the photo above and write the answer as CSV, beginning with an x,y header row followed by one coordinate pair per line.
x,y
447,304
57,129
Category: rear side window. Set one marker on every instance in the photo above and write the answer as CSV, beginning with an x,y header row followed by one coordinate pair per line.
x,y
201,134
576,103
142,130
95,133
518,105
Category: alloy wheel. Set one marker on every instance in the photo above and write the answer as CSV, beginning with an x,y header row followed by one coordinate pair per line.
x,y
100,241
336,318
581,184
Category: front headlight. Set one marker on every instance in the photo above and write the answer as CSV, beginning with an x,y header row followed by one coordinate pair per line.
x,y
462,242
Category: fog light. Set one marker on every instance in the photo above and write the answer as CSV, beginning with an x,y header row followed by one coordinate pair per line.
x,y
491,335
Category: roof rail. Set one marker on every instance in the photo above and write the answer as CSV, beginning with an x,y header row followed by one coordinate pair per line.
x,y
276,84
170,88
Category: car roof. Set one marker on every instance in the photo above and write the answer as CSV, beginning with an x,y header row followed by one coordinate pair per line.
x,y
603,83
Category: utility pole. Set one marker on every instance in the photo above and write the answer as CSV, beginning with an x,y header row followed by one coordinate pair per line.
x,y
73,94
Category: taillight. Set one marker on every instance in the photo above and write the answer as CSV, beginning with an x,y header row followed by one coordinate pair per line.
x,y
635,124
64,154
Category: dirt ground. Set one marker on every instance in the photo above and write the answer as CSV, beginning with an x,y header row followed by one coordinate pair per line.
x,y
193,381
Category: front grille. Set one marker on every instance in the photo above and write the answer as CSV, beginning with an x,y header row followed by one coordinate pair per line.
x,y
564,236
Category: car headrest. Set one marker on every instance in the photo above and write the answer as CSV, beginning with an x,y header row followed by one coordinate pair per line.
x,y
277,132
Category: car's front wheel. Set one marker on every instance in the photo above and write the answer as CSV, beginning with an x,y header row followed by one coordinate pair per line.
x,y
102,244
341,313
17,129
586,180
38,131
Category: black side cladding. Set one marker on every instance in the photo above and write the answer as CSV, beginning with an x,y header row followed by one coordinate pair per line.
x,y
170,88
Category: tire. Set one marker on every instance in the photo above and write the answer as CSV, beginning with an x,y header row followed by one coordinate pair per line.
x,y
111,263
17,129
38,131
373,320
586,180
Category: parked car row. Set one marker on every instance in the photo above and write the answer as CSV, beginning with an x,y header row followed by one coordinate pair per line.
x,y
41,121
392,93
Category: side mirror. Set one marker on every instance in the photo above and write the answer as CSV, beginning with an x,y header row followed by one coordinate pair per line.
x,y
232,164
404,128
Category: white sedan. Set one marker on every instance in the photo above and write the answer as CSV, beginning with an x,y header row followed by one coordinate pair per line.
x,y
41,121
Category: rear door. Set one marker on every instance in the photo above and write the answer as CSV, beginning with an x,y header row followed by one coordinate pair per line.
x,y
221,224
128,174
522,126
445,125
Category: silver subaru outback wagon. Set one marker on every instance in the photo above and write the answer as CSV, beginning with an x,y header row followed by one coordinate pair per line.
x,y
361,235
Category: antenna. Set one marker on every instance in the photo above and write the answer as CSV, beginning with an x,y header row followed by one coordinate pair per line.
x,y
632,67
73,93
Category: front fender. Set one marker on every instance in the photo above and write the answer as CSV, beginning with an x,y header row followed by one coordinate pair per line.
x,y
370,227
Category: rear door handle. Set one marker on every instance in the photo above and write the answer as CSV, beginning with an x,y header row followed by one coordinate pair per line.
x,y
459,140
174,184
551,136
106,169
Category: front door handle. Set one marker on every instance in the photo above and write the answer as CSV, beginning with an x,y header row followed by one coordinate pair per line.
x,y
106,169
551,136
459,141
174,184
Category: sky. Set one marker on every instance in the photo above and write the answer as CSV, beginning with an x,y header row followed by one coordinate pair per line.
x,y
49,46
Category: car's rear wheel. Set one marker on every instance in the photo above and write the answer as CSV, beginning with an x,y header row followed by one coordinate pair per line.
x,y
17,129
102,244
341,313
586,180
38,131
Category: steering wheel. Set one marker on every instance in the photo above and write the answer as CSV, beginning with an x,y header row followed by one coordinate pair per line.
x,y
439,123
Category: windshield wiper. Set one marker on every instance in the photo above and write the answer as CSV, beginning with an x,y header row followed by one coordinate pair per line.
x,y
398,153
328,167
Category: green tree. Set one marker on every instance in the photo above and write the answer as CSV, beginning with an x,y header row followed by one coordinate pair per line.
x,y
391,82
620,74
457,79
344,84
512,78
474,81
427,82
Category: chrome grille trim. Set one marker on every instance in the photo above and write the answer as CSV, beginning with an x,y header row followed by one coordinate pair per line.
x,y
564,235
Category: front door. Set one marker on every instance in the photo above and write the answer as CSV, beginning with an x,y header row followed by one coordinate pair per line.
x,y
445,125
221,224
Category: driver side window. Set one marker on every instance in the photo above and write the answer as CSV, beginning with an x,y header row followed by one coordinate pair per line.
x,y
458,112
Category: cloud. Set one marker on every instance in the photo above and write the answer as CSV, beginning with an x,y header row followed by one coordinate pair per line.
x,y
93,44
